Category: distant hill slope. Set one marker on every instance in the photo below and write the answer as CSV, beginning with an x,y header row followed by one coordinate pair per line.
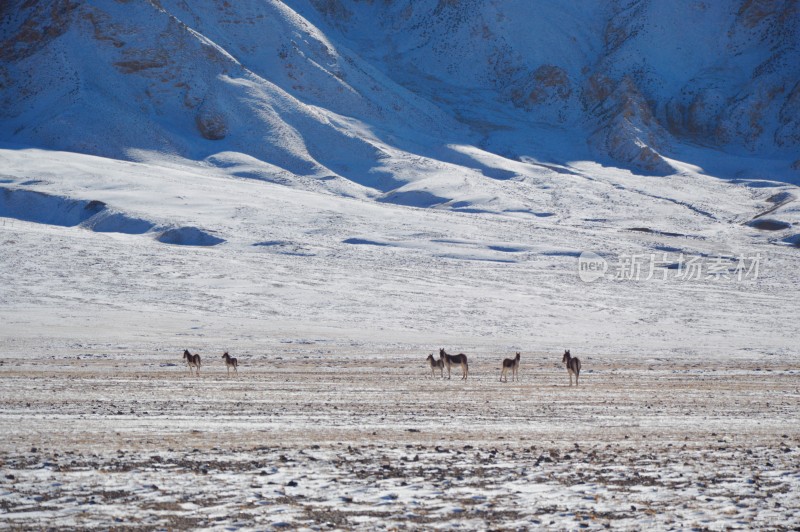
x,y
368,98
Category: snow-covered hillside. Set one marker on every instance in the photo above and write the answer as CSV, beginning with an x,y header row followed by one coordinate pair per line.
x,y
428,170
371,96
639,77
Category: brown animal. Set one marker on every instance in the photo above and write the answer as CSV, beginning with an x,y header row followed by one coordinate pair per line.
x,y
436,364
510,364
231,362
450,360
192,361
573,366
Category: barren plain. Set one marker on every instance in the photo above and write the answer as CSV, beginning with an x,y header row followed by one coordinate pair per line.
x,y
323,436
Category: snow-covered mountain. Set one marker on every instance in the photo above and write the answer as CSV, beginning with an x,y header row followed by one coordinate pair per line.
x,y
329,190
346,89
490,141
639,75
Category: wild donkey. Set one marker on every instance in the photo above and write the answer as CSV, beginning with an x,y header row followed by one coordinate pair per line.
x,y
231,362
436,364
510,364
192,361
450,360
573,366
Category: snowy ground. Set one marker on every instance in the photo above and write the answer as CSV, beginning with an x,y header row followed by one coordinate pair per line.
x,y
686,417
314,435
304,264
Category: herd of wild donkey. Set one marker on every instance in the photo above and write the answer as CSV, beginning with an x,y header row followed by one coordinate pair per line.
x,y
445,360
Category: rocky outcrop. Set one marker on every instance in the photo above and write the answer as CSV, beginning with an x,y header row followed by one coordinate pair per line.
x,y
28,27
748,96
212,126
788,133
548,90
333,9
628,131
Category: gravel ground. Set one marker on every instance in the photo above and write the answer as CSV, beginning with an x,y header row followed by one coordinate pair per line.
x,y
324,441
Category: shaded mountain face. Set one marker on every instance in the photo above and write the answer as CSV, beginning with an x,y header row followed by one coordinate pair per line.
x,y
366,98
637,75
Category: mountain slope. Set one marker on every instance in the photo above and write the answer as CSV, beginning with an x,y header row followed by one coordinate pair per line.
x,y
336,88
642,75
400,171
160,85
